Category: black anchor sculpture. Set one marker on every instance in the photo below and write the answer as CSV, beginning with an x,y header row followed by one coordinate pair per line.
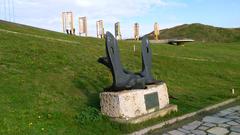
x,y
123,79
147,62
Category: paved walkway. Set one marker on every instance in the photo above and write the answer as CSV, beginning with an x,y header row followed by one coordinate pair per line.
x,y
225,122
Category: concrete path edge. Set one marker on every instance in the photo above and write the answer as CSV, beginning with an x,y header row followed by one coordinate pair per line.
x,y
179,118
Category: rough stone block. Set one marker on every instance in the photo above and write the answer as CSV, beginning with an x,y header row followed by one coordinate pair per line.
x,y
135,103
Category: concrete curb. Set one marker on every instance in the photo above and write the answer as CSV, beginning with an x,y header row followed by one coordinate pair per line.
x,y
161,113
176,119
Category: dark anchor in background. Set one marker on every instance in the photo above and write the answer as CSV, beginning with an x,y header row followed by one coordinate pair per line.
x,y
123,79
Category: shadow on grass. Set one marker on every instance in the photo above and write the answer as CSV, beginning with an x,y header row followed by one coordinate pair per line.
x,y
91,87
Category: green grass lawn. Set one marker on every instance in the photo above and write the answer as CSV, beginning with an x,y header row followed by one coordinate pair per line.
x,y
52,87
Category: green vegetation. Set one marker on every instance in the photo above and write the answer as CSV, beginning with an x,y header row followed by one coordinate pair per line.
x,y
202,33
52,86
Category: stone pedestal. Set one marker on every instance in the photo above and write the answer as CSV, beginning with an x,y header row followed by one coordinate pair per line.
x,y
134,106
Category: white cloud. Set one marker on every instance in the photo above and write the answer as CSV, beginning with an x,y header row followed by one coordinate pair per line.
x,y
112,11
118,8
27,2
46,13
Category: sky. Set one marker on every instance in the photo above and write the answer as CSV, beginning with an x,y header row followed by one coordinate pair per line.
x,y
168,13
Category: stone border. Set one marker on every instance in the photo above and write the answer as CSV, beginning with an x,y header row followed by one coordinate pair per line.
x,y
176,119
162,112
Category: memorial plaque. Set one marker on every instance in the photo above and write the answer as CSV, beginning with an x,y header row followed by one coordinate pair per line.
x,y
156,31
151,100
67,22
82,25
100,29
118,34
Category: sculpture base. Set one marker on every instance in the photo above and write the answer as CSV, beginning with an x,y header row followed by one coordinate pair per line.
x,y
134,106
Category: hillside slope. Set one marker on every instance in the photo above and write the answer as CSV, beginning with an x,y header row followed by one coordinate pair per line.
x,y
200,32
50,82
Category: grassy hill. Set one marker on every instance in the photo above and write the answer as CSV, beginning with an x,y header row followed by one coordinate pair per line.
x,y
50,82
202,33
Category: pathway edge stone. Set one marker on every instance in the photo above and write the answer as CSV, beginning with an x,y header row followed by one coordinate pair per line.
x,y
179,118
